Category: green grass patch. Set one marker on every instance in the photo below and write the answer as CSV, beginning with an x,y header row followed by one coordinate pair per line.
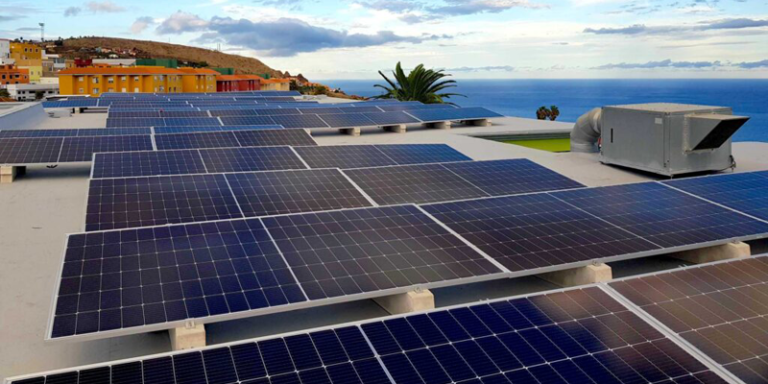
x,y
551,145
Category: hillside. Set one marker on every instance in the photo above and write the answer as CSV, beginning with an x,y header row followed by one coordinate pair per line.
x,y
86,47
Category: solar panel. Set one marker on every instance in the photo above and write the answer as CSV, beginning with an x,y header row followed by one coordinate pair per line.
x,y
184,113
535,231
251,159
390,118
272,137
114,132
132,114
6,133
278,111
160,276
322,111
274,193
443,114
576,336
158,200
77,149
148,163
347,120
508,177
135,122
234,112
192,121
348,252
421,153
214,128
30,150
718,308
196,140
343,156
662,215
745,192
355,109
247,120
299,121
413,184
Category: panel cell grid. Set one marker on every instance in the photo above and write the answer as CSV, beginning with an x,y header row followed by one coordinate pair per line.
x,y
344,156
347,252
390,118
137,122
273,193
720,309
347,120
446,114
148,201
211,128
745,192
299,121
191,121
247,120
274,137
421,153
196,140
30,150
77,149
150,163
135,277
662,215
250,159
536,231
6,133
413,184
508,177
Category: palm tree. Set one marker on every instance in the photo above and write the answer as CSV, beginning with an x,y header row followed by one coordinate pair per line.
x,y
420,84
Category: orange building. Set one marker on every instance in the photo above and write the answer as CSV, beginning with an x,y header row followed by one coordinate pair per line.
x,y
276,85
10,74
238,83
198,79
95,81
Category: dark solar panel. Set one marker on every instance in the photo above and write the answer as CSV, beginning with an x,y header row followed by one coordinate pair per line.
x,y
30,150
251,159
508,177
77,149
272,137
443,114
138,122
719,308
421,153
114,132
344,156
662,215
390,118
278,111
247,120
353,109
347,120
6,133
349,252
184,114
233,112
745,192
299,121
536,231
191,121
273,193
196,140
149,163
214,128
158,200
413,184
578,336
322,111
117,114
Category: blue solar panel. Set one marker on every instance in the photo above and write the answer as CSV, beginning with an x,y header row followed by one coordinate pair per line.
x,y
507,177
362,156
215,128
117,114
234,112
196,140
148,163
158,200
356,109
299,121
135,122
421,153
662,215
278,111
191,121
577,336
30,150
76,149
247,120
390,118
184,114
114,132
75,103
445,114
347,120
37,133
745,192
274,137
251,159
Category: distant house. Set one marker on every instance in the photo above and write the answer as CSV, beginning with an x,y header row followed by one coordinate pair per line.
x,y
238,83
276,85
95,81
10,74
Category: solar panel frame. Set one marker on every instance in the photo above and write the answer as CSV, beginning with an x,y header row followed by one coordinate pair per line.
x,y
251,159
742,192
81,149
510,177
299,121
405,154
274,137
343,156
391,118
247,120
147,163
452,114
215,128
347,120
30,150
196,140
191,121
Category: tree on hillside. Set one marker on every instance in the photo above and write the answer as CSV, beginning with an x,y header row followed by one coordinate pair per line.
x,y
421,84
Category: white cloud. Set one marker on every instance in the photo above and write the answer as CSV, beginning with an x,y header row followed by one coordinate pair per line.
x,y
104,7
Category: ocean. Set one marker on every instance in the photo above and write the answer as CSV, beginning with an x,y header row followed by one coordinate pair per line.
x,y
574,97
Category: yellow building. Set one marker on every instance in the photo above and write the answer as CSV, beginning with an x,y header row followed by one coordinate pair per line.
x,y
97,80
275,85
198,79
30,57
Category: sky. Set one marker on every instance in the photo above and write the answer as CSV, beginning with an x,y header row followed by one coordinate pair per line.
x,y
353,39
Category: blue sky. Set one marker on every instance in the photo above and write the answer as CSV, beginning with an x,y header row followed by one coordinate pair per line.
x,y
352,39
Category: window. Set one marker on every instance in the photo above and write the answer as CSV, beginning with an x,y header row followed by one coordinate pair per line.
x,y
123,78
162,89
110,80
161,77
95,91
111,90
124,90
81,91
136,90
135,78
80,79
95,80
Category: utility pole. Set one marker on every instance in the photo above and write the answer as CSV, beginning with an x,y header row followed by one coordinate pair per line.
x,y
42,32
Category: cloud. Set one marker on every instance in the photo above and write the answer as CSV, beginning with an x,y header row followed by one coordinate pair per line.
x,y
394,6
711,25
28,29
181,22
141,24
753,65
10,18
413,12
663,64
104,7
294,5
736,24
494,68
72,11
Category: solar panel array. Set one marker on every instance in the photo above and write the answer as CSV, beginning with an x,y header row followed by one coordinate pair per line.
x,y
73,132
363,156
257,138
574,336
67,149
744,192
719,308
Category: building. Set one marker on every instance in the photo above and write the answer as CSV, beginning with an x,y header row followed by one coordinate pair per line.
x,y
29,92
238,83
28,56
5,52
96,80
198,79
225,71
275,85
10,74
168,63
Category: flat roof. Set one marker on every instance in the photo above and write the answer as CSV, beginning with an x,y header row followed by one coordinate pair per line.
x,y
39,209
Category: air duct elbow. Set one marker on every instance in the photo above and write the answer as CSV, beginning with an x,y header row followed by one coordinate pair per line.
x,y
586,132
